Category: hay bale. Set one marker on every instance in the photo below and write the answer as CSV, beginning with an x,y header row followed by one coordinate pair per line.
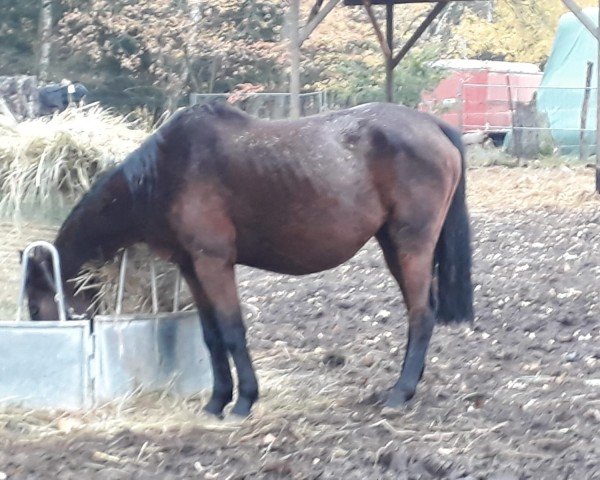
x,y
45,161
62,154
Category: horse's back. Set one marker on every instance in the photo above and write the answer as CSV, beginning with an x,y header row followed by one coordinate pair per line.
x,y
305,195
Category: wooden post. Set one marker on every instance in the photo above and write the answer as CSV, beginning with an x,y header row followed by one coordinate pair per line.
x,y
316,16
583,153
461,107
294,24
389,67
418,32
516,138
387,44
45,38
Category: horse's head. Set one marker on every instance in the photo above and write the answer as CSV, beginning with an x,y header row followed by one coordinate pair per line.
x,y
41,289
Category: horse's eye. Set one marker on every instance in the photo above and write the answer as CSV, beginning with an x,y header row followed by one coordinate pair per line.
x,y
34,311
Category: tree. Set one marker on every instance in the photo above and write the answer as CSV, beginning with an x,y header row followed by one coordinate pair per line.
x,y
18,32
153,52
519,30
177,46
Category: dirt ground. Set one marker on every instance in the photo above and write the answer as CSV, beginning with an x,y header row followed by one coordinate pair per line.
x,y
514,396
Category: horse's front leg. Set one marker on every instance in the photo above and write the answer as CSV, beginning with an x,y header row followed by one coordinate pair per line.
x,y
222,391
216,278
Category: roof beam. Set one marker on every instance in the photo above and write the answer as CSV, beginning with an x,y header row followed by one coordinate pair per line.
x,y
385,48
418,32
315,17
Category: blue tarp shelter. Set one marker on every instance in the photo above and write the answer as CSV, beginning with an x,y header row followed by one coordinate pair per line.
x,y
561,92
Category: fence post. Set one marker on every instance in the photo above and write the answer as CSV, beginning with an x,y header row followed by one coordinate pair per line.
x,y
598,110
516,138
583,154
461,109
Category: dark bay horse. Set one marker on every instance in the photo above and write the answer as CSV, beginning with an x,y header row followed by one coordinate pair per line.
x,y
214,187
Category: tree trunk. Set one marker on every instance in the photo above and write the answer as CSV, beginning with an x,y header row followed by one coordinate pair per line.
x,y
45,38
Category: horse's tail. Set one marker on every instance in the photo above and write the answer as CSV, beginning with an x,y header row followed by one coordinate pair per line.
x,y
453,252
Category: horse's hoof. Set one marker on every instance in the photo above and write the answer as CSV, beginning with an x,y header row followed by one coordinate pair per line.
x,y
214,408
398,399
389,412
232,420
208,418
242,408
212,414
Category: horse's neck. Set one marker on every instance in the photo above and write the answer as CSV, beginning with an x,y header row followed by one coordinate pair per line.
x,y
71,258
88,235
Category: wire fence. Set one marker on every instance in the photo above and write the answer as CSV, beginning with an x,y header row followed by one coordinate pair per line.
x,y
527,120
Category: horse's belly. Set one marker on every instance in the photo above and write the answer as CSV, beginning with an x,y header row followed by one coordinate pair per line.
x,y
298,261
299,248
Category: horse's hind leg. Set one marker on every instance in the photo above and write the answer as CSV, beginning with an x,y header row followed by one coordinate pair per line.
x,y
412,269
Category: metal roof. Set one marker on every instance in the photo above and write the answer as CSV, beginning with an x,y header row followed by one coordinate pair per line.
x,y
495,66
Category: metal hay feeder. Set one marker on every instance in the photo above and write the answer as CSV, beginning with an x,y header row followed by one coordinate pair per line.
x,y
82,363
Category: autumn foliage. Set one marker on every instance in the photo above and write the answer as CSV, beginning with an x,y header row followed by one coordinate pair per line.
x,y
155,52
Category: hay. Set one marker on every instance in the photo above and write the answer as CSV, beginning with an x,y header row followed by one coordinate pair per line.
x,y
53,160
58,158
61,154
501,188
137,295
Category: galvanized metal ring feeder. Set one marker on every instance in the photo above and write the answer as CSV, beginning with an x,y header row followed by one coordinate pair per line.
x,y
76,364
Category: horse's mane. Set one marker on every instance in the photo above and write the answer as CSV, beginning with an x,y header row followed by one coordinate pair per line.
x,y
82,205
138,171
139,168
